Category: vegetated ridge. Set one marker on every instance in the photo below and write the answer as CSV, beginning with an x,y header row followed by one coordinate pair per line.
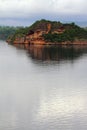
x,y
49,32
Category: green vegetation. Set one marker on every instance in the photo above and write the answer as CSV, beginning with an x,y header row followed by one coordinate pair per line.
x,y
6,31
66,36
70,31
42,25
20,32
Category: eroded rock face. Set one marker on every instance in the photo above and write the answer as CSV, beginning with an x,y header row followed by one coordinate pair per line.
x,y
34,37
48,28
35,34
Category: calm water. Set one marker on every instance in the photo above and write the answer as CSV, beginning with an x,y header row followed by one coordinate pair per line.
x,y
43,88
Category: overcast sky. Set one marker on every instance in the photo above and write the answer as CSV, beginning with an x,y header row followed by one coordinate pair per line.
x,y
25,12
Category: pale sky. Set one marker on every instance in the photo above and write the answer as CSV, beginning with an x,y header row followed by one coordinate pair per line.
x,y
24,12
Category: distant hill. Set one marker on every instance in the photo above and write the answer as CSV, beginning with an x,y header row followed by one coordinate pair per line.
x,y
5,31
44,31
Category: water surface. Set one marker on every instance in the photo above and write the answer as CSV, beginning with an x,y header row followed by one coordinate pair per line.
x,y
43,88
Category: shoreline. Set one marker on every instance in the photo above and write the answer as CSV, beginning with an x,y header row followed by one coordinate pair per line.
x,y
67,43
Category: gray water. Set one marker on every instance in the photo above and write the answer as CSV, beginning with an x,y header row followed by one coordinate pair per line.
x,y
43,88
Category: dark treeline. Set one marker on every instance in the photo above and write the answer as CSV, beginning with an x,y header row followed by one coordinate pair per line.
x,y
6,31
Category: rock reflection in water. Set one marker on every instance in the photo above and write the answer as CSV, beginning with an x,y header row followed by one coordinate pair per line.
x,y
56,53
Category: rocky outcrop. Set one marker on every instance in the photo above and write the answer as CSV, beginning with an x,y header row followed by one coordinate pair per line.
x,y
54,32
36,37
